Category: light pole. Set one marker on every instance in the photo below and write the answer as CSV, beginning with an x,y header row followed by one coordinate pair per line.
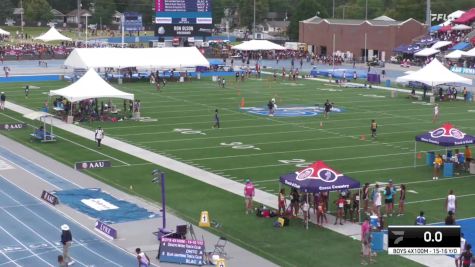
x,y
254,24
79,18
159,178
333,10
366,11
21,15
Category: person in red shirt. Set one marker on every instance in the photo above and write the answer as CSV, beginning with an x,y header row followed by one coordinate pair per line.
x,y
249,192
282,201
340,204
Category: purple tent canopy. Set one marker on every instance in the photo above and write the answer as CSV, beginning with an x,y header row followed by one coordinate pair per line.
x,y
318,177
411,49
427,40
446,135
400,49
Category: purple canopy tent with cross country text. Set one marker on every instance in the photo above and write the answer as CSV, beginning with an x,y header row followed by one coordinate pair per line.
x,y
318,177
446,135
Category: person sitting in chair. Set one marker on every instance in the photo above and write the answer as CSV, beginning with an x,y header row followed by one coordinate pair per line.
x,y
40,132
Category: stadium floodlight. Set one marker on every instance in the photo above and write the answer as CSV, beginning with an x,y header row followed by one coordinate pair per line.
x,y
158,177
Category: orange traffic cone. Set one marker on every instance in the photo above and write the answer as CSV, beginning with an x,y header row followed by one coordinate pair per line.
x,y
242,102
362,137
419,156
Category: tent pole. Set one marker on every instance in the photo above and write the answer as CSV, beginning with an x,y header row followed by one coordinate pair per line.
x,y
359,205
308,213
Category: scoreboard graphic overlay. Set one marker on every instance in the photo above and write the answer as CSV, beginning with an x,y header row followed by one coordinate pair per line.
x,y
183,18
424,240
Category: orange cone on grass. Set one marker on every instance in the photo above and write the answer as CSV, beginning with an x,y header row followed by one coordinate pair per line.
x,y
419,156
363,137
242,102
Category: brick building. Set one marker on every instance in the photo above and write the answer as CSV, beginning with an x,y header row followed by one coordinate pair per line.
x,y
383,34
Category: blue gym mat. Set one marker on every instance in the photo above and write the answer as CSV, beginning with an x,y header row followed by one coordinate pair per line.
x,y
102,206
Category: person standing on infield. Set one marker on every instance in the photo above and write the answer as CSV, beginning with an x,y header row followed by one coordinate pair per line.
x,y
328,108
374,127
99,135
216,119
66,240
3,97
249,192
435,118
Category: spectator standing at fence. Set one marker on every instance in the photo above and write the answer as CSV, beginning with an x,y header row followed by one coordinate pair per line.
x,y
66,240
3,98
365,196
377,200
282,202
99,135
249,192
402,199
468,157
142,258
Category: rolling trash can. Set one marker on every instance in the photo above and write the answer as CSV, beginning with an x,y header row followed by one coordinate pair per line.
x,y
377,241
448,169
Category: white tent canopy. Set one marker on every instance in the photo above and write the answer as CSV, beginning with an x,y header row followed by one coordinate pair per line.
x,y
455,54
52,35
470,53
256,45
461,27
426,52
166,57
452,16
3,32
434,74
441,44
91,85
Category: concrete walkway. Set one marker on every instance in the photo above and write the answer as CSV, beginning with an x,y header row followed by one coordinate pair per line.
x,y
221,182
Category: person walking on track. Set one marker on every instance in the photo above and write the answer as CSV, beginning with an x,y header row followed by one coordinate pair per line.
x,y
99,135
66,240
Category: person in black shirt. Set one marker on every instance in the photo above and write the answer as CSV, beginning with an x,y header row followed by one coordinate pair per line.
x,y
374,126
270,106
294,201
216,119
328,108
3,98
66,240
466,257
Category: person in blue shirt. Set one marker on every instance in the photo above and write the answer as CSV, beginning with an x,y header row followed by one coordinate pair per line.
x,y
421,220
389,192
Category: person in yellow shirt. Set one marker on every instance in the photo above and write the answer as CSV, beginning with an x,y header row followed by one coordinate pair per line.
x,y
437,166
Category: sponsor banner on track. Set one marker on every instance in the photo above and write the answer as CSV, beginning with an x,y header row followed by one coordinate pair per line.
x,y
12,126
50,198
106,229
98,164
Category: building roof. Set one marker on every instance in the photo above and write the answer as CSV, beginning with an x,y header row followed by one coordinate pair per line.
x,y
57,13
275,15
380,21
82,13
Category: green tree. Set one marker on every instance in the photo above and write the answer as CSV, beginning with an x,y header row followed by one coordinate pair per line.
x,y
6,10
405,9
37,10
104,10
304,10
246,12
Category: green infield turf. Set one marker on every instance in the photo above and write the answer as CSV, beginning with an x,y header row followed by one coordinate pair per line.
x,y
263,148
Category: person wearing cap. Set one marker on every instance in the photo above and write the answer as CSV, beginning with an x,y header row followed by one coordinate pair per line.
x,y
99,135
66,240
3,97
249,192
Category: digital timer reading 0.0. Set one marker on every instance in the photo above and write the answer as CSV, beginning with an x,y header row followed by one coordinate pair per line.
x,y
423,240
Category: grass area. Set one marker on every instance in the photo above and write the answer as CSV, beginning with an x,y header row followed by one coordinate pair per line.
x,y
283,143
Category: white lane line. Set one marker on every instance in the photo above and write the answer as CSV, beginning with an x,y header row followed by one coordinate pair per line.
x,y
53,226
85,147
21,243
440,198
8,258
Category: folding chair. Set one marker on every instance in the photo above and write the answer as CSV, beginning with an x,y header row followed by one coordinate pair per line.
x,y
219,247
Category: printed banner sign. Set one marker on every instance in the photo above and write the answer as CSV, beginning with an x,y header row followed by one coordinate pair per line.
x,y
12,126
181,251
98,164
50,198
106,229
463,70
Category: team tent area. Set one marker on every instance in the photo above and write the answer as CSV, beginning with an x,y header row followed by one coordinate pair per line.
x,y
52,35
318,177
446,136
258,45
434,74
3,32
148,58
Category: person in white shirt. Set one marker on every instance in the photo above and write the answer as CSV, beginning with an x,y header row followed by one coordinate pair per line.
x,y
377,200
451,201
142,258
99,135
436,113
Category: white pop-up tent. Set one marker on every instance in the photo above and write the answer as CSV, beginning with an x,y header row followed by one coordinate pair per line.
x,y
257,45
455,54
434,74
91,85
441,44
469,53
52,35
166,57
426,52
3,32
